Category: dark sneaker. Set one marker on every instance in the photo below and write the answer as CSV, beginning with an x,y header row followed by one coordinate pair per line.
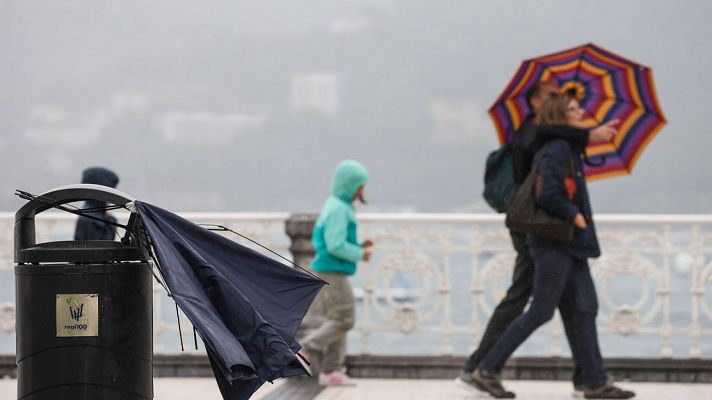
x,y
491,384
607,391
578,392
465,381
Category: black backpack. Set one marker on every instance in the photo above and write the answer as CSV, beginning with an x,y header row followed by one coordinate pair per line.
x,y
500,186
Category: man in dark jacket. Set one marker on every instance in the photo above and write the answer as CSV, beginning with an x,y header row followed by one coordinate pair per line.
x,y
525,143
94,228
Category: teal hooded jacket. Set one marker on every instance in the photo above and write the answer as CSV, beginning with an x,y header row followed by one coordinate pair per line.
x,y
334,236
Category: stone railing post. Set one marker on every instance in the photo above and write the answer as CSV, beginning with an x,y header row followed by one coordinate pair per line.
x,y
299,229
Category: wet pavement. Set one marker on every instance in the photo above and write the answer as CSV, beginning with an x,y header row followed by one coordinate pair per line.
x,y
396,389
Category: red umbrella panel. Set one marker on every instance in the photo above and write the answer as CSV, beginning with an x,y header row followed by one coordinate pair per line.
x,y
607,85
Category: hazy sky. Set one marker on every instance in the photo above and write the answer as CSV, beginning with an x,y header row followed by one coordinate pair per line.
x,y
220,105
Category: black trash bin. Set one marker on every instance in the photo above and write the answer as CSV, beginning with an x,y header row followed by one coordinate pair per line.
x,y
84,310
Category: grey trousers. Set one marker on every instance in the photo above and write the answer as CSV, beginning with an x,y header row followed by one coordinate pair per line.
x,y
337,303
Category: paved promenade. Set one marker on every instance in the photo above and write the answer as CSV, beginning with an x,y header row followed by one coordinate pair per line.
x,y
396,389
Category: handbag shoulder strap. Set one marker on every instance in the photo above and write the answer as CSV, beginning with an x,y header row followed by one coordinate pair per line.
x,y
571,160
540,155
535,167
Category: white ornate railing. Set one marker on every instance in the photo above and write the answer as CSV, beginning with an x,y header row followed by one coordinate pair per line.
x,y
435,279
654,283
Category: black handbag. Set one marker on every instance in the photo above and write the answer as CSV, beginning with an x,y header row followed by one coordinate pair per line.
x,y
523,215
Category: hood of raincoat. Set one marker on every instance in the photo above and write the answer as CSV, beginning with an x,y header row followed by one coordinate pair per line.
x,y
348,177
100,176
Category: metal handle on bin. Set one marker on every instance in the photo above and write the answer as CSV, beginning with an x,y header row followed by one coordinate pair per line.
x,y
25,216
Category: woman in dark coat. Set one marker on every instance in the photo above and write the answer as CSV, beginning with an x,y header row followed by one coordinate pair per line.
x,y
561,273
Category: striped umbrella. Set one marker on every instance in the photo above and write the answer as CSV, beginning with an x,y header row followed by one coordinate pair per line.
x,y
607,85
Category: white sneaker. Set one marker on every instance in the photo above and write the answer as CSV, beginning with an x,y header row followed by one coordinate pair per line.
x,y
335,378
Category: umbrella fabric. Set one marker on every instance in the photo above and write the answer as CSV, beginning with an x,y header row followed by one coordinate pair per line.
x,y
245,306
607,85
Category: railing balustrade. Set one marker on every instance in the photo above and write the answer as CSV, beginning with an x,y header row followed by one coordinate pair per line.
x,y
435,278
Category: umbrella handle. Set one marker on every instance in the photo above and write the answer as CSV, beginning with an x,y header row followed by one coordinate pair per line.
x,y
596,163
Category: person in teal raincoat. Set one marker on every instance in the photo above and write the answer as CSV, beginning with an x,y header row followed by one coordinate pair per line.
x,y
337,252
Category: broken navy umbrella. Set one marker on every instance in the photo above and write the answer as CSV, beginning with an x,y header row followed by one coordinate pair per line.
x,y
245,306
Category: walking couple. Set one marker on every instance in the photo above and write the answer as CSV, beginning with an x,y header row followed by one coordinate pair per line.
x,y
555,274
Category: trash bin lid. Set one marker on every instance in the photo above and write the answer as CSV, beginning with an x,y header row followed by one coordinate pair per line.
x,y
27,250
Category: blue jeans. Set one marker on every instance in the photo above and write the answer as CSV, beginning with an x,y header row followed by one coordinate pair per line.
x,y
514,303
564,282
